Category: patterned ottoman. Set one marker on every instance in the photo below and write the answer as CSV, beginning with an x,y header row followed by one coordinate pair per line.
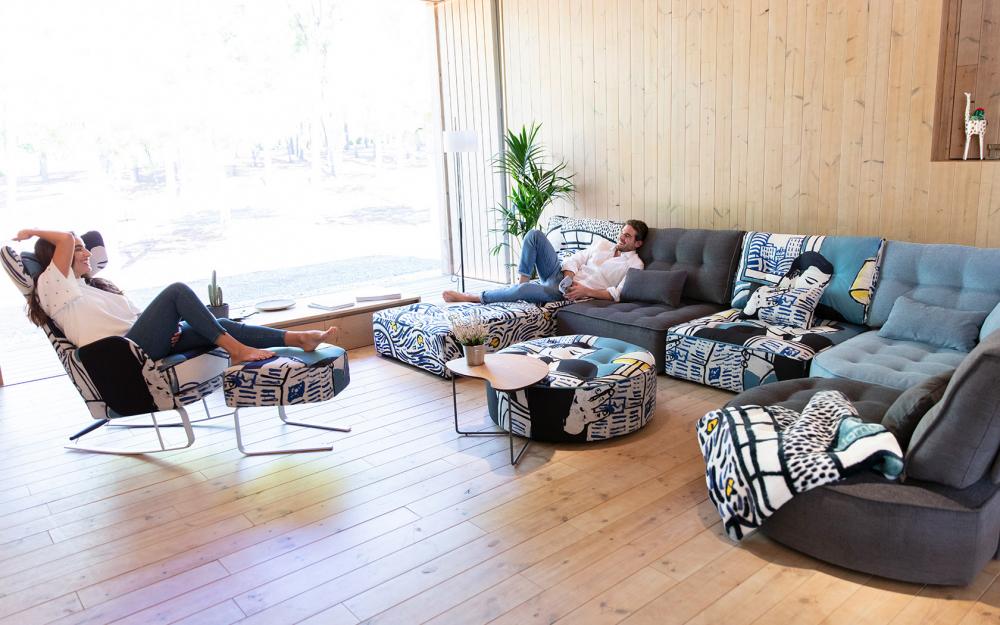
x,y
597,388
420,334
292,377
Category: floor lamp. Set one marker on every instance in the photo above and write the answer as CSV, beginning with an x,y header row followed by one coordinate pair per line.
x,y
456,142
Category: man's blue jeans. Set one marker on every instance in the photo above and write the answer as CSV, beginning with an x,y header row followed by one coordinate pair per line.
x,y
177,304
537,254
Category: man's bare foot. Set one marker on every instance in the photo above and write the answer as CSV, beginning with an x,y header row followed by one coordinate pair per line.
x,y
309,340
454,296
247,354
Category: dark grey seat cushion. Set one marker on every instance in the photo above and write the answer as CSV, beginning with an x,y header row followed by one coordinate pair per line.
x,y
871,400
917,531
641,324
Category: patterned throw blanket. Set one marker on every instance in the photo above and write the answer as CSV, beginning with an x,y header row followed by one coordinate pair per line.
x,y
758,458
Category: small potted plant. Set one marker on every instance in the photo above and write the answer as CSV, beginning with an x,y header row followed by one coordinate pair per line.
x,y
216,305
471,333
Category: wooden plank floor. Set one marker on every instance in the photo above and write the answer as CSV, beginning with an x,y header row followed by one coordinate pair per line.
x,y
404,522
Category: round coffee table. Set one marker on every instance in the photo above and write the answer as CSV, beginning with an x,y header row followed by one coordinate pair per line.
x,y
504,372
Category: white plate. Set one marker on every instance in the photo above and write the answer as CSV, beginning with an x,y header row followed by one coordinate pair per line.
x,y
274,304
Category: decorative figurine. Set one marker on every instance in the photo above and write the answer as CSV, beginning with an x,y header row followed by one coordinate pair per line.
x,y
975,124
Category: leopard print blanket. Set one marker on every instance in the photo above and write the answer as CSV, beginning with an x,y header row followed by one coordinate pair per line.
x,y
758,457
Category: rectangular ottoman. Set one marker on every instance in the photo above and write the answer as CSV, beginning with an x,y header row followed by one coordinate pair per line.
x,y
420,334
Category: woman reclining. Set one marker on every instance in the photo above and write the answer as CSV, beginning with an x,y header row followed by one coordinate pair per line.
x,y
89,309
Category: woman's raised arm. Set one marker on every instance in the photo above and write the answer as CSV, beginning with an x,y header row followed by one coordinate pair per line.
x,y
65,243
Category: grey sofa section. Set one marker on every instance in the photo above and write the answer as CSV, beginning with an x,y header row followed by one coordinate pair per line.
x,y
870,358
709,257
958,276
942,524
633,322
917,532
966,278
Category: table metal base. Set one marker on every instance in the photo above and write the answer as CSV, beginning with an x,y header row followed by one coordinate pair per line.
x,y
510,435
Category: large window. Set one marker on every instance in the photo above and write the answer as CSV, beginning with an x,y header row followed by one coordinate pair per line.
x,y
286,145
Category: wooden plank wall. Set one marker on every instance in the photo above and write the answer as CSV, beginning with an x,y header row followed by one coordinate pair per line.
x,y
801,116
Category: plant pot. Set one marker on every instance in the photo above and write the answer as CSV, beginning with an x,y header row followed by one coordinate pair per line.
x,y
475,355
220,312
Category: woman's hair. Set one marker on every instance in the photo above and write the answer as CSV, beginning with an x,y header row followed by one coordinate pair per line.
x,y
43,253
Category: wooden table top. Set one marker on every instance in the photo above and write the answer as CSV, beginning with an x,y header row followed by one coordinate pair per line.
x,y
504,372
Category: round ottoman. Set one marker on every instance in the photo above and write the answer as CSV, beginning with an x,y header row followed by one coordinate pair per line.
x,y
597,388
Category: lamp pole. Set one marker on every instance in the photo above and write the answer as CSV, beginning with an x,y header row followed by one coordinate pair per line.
x,y
457,142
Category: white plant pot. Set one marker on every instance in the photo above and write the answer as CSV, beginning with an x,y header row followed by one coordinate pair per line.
x,y
475,355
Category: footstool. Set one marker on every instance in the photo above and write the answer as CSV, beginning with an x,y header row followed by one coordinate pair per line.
x,y
420,334
291,377
597,388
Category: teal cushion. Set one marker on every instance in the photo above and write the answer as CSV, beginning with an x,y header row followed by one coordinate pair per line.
x,y
910,320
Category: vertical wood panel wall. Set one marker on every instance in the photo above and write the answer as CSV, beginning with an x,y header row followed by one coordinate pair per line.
x,y
808,116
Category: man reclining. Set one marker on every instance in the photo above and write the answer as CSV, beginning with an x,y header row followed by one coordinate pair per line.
x,y
596,272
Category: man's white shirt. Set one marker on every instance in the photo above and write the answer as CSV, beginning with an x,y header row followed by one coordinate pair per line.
x,y
597,267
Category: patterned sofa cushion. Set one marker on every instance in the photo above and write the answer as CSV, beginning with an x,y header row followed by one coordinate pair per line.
x,y
420,334
767,256
736,354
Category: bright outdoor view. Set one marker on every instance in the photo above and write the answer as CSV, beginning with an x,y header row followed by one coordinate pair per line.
x,y
287,145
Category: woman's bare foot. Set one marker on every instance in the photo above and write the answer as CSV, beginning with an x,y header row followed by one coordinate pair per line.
x,y
247,354
309,340
454,296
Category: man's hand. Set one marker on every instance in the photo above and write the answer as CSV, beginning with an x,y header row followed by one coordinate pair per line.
x,y
578,292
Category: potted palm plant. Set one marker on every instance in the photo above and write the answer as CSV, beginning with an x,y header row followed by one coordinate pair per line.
x,y
534,185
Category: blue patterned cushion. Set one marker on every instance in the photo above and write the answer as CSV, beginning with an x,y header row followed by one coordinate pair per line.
x,y
767,257
793,307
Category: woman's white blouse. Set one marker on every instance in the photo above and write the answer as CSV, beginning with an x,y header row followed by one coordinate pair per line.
x,y
85,314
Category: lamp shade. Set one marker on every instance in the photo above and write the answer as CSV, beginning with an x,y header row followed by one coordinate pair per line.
x,y
460,141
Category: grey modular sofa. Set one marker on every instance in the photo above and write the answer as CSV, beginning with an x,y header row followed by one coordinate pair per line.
x,y
708,256
953,276
941,524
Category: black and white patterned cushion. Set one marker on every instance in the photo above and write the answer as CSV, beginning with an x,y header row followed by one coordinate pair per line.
x,y
579,234
794,307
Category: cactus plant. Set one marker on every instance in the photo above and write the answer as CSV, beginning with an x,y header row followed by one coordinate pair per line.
x,y
214,293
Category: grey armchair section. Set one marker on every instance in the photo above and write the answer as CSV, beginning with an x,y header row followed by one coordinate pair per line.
x,y
940,525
